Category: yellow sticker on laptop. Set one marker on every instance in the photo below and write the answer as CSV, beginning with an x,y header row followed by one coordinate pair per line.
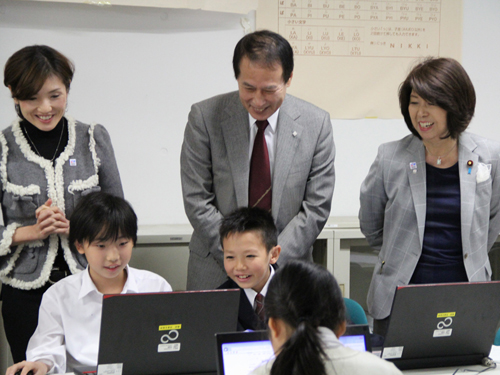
x,y
446,314
169,327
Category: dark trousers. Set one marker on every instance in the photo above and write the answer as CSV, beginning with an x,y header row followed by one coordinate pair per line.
x,y
20,317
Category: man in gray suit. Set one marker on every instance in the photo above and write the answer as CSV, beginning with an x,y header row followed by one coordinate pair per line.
x,y
221,169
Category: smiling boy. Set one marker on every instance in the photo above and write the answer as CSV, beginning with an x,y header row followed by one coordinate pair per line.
x,y
249,240
104,228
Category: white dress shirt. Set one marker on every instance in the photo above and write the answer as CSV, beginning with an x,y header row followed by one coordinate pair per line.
x,y
70,319
251,294
269,134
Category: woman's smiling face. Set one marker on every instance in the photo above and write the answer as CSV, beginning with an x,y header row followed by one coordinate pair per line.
x,y
46,108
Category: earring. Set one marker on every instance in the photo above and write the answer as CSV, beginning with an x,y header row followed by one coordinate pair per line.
x,y
18,110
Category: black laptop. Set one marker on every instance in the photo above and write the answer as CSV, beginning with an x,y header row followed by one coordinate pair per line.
x,y
163,333
239,353
436,325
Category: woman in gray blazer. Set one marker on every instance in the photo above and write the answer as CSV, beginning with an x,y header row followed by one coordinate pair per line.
x,y
47,162
431,201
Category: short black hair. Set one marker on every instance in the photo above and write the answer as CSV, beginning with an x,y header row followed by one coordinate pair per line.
x,y
445,83
267,48
104,215
250,219
27,70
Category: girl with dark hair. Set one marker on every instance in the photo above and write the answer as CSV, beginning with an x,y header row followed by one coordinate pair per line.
x,y
431,201
47,162
306,315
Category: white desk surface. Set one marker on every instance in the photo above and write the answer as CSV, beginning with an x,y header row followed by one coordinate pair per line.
x,y
495,355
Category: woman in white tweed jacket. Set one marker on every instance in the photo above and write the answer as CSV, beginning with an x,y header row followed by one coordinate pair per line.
x,y
431,201
47,162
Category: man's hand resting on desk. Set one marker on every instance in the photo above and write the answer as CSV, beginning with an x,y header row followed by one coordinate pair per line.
x,y
28,368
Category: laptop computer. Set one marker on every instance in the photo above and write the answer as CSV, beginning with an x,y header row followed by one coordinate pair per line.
x,y
163,333
239,353
357,336
434,325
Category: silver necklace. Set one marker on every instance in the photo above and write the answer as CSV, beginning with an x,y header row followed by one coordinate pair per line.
x,y
58,144
438,161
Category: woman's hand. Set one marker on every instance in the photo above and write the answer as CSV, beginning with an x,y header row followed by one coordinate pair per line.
x,y
37,368
49,220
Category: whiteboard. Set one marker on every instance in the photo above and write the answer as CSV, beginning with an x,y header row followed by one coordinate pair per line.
x,y
138,70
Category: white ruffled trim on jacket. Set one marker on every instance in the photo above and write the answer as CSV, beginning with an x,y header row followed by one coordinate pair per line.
x,y
80,185
7,185
6,241
55,191
44,275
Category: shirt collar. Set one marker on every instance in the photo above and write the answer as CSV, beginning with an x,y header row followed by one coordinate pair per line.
x,y
251,294
88,285
272,120
328,338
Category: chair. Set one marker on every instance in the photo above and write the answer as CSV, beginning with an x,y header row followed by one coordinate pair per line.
x,y
355,313
497,339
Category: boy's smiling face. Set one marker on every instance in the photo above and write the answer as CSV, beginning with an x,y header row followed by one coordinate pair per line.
x,y
107,261
247,260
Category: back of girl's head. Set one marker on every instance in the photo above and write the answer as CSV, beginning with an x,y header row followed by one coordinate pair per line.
x,y
102,216
304,291
304,296
27,70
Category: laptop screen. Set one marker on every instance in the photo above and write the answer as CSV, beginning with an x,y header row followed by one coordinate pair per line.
x,y
243,357
239,353
357,337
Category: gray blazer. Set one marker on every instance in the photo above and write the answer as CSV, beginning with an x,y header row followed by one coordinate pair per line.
x,y
27,180
215,172
393,209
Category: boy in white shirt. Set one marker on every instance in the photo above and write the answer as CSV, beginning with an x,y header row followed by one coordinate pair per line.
x,y
249,239
104,228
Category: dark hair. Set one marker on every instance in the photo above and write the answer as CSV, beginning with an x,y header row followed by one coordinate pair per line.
x,y
246,219
445,83
305,296
104,215
267,48
27,70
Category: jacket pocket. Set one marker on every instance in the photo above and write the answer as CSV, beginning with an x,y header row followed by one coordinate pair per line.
x,y
78,194
21,208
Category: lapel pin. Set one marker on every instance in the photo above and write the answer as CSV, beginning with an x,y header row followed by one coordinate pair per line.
x,y
72,162
470,163
294,133
413,167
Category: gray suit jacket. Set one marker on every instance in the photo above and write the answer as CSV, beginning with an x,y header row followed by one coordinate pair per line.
x,y
393,209
215,172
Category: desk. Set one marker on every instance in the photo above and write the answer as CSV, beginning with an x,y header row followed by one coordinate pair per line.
x,y
495,355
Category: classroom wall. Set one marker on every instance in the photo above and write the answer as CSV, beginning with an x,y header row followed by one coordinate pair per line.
x,y
138,70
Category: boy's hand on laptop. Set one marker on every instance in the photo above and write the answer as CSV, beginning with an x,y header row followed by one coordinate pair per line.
x,y
28,368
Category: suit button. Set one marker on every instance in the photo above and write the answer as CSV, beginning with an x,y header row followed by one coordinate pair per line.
x,y
466,255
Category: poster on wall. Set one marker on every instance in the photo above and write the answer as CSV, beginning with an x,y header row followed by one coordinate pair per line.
x,y
352,55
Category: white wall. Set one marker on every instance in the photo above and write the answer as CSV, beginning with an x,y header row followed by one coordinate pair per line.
x,y
138,70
